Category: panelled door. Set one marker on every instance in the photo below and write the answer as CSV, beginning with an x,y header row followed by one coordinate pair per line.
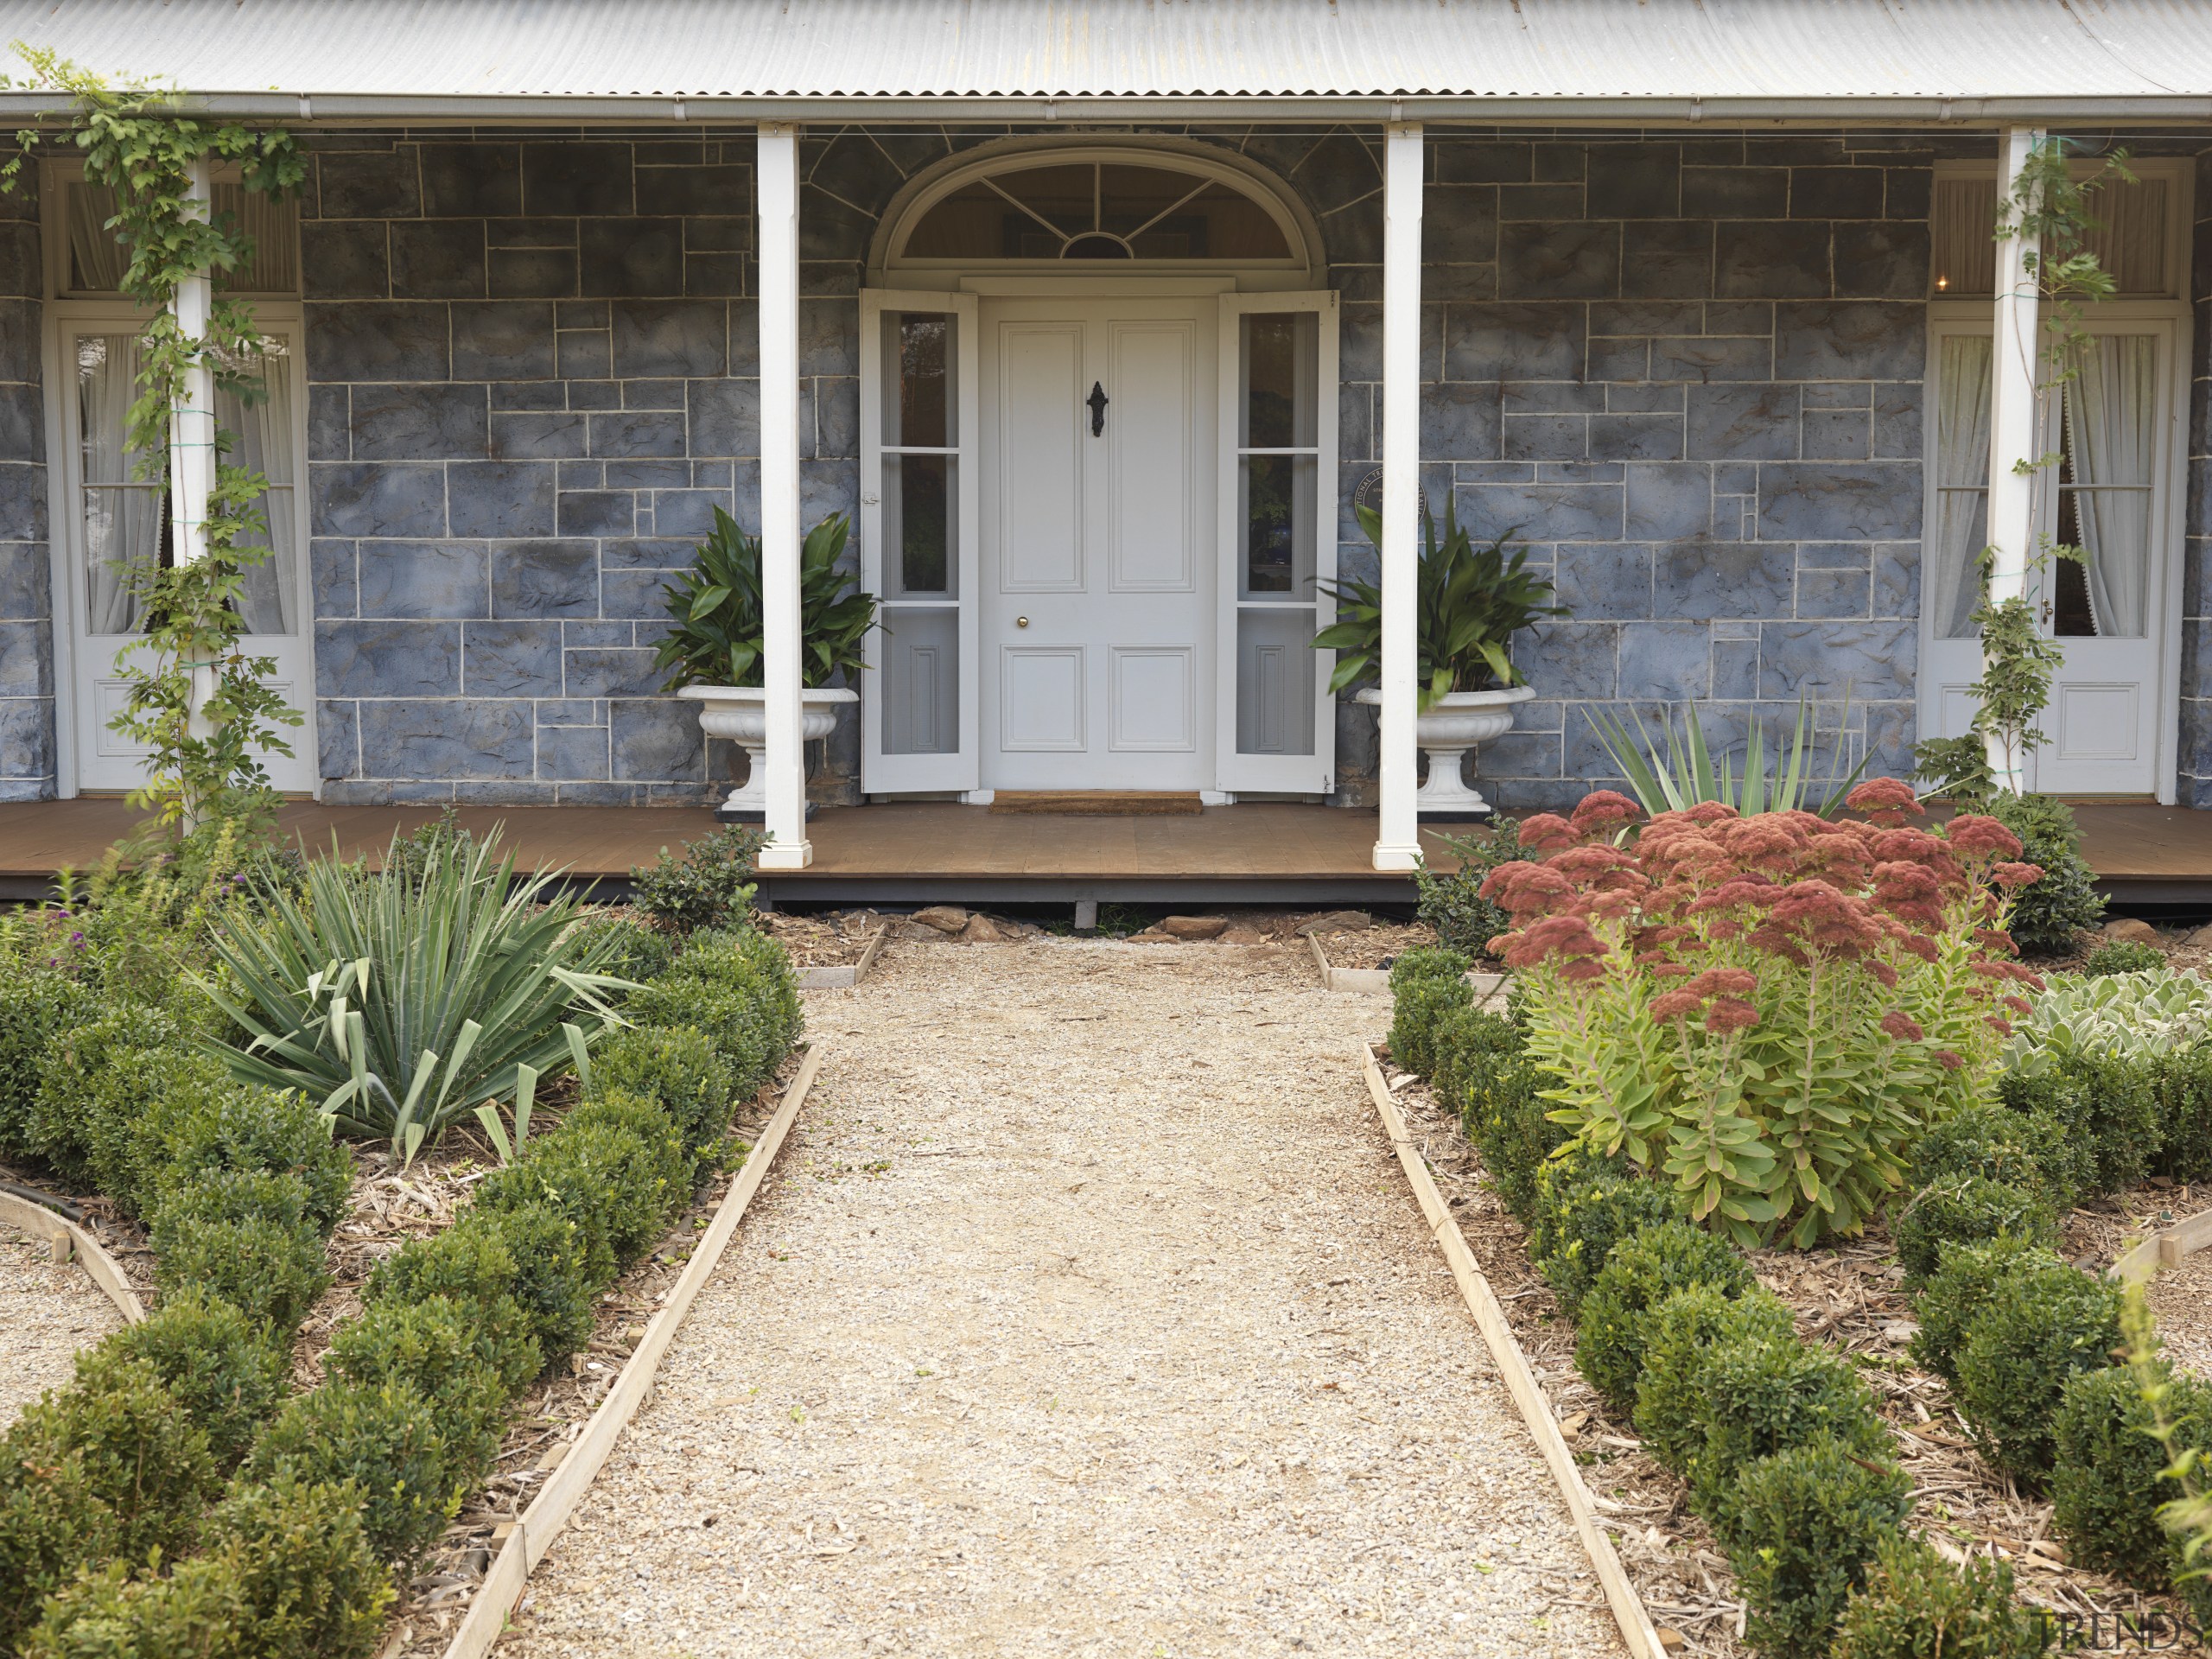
x,y
1099,584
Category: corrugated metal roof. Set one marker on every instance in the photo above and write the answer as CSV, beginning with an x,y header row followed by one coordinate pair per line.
x,y
1093,49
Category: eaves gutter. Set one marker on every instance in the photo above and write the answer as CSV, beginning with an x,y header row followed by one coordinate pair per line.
x,y
354,108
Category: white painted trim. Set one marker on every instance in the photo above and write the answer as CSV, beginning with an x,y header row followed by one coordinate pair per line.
x,y
1306,267
2012,367
1314,774
1053,285
890,774
1397,845
777,189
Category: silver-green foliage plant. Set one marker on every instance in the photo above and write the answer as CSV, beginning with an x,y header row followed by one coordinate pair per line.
x,y
2126,1016
1682,774
401,1002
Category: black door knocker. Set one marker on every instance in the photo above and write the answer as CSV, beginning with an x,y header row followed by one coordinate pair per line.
x,y
1097,401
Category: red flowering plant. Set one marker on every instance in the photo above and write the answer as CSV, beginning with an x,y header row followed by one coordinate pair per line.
x,y
1767,1010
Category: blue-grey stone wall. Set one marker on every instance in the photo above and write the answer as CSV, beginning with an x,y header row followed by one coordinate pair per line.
x,y
27,734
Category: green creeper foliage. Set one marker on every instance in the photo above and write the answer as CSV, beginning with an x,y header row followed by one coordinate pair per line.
x,y
677,1069
385,1439
2035,1331
1967,1209
1684,1331
1917,1605
1808,1521
2108,1480
1963,1286
226,1373
1585,1206
1642,1271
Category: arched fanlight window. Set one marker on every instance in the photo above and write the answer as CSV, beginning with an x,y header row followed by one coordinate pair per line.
x,y
1065,208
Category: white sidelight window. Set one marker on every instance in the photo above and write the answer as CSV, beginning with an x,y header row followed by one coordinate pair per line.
x,y
919,517
1278,541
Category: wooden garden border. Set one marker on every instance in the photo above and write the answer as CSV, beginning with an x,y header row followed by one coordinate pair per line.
x,y
844,976
1378,979
42,1222
2165,1249
1635,1626
523,1548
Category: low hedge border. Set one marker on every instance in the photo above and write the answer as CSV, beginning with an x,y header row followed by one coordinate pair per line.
x,y
177,1436
1778,1441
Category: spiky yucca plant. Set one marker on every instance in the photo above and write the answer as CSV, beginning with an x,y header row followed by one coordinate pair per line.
x,y
402,1000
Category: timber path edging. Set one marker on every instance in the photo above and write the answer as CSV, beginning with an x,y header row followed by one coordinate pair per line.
x,y
101,1267
519,1553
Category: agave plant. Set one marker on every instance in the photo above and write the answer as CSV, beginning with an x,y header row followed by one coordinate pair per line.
x,y
402,1001
1470,601
714,610
1682,774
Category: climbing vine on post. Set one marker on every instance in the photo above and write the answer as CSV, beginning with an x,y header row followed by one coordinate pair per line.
x,y
2050,206
200,704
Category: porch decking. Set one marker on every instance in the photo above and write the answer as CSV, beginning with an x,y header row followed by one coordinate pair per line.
x,y
1255,854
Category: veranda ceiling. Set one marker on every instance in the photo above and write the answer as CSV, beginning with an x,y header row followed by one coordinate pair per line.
x,y
1672,59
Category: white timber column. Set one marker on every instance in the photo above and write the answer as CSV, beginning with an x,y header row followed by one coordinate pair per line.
x,y
2013,436
1397,843
192,435
785,755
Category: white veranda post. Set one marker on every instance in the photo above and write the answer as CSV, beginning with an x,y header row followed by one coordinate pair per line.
x,y
1397,844
2012,435
192,435
784,753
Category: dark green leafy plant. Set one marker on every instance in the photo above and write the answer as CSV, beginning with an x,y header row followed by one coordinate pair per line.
x,y
1963,1286
2109,1477
1427,984
243,1236
1916,1605
2027,1150
2032,1335
617,1188
1684,1331
2124,956
1471,603
1967,1209
1757,1395
308,1585
1585,1206
226,1372
143,1458
737,987
1642,1271
714,609
2106,1105
388,1442
2048,912
398,1005
2182,1083
678,1070
1452,902
111,1613
711,886
523,1266
437,1349
1809,1521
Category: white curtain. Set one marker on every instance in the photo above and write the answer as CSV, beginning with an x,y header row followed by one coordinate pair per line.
x,y
260,441
2110,423
122,516
97,260
1962,527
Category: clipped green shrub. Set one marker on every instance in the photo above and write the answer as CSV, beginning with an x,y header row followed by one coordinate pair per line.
x,y
2181,1082
2105,1105
628,948
61,1115
738,988
221,1367
1482,1070
617,1188
2035,1331
1957,1291
1642,1271
1967,1209
249,1128
1585,1205
1681,1332
36,1009
524,1264
438,1350
1452,903
245,1236
711,886
309,1587
51,1520
1760,1395
1916,1605
1426,984
133,1105
191,1612
1809,1521
386,1440
2048,913
2123,957
2107,1481
659,1166
2022,1149
142,1457
677,1069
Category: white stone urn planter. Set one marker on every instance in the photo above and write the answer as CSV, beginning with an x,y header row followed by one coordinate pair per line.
x,y
740,713
1460,721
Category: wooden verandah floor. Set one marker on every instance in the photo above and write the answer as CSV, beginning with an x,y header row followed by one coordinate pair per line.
x,y
1258,853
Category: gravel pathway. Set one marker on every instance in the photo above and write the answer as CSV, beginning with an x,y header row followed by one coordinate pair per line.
x,y
2181,1297
1086,1313
48,1310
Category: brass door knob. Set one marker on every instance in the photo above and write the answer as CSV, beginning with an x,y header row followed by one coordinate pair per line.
x,y
1020,622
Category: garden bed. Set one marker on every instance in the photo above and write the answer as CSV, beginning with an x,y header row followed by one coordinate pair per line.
x,y
1850,1297
1356,962
829,952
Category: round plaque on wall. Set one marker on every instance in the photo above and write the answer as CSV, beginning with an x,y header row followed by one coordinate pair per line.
x,y
1369,494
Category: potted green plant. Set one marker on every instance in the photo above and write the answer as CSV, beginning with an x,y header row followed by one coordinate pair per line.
x,y
1470,601
712,647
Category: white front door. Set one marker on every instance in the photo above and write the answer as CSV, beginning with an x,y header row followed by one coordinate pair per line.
x,y
2115,427
1099,568
116,524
